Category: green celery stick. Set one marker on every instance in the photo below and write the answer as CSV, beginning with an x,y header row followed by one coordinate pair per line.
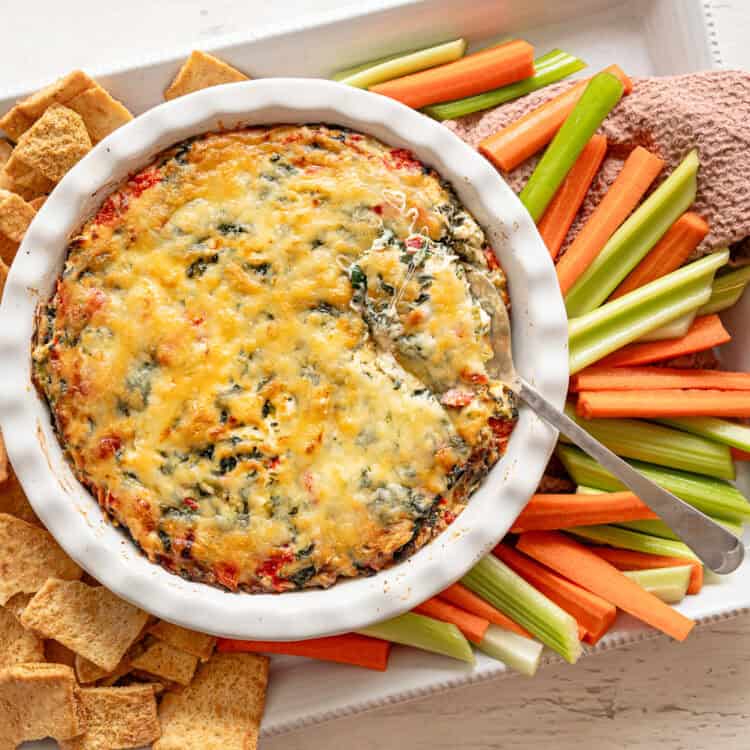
x,y
726,291
652,528
549,68
403,65
627,318
516,651
669,584
495,582
364,66
674,330
425,633
625,539
599,97
721,430
716,498
657,444
637,235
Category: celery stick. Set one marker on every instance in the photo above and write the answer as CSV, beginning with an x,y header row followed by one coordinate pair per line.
x,y
364,66
599,97
549,68
494,581
652,528
726,291
424,633
721,430
627,318
716,498
403,65
669,584
634,438
637,235
625,539
516,651
674,330
583,489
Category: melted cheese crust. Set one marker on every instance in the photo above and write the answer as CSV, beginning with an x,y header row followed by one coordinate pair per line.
x,y
264,361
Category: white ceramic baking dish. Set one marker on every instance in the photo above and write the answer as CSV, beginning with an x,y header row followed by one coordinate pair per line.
x,y
70,512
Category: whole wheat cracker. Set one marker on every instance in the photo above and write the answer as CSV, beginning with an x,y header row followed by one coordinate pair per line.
x,y
55,143
13,500
87,671
28,557
56,653
17,645
17,604
5,149
162,660
26,112
15,215
101,112
197,644
91,621
18,177
38,701
221,709
200,71
118,717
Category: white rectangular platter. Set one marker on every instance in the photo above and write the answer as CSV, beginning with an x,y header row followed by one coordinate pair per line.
x,y
644,37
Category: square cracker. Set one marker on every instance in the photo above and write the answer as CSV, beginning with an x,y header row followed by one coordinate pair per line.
x,y
116,717
5,149
91,621
54,143
15,215
28,557
13,501
38,701
26,112
17,645
197,644
56,653
101,112
162,660
19,177
220,710
200,71
17,604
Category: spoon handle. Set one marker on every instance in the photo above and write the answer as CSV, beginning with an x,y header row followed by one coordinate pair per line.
x,y
717,548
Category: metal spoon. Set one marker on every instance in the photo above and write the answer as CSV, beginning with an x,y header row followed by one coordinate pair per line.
x,y
718,548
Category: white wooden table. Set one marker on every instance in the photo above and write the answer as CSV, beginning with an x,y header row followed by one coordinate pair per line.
x,y
658,694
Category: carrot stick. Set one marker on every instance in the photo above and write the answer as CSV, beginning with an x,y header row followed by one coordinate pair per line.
x,y
554,225
349,648
625,559
522,138
597,378
638,172
666,403
592,613
668,254
739,455
546,512
705,333
472,626
460,596
473,74
582,566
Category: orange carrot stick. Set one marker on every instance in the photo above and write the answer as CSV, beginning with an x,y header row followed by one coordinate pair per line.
x,y
349,648
554,225
473,74
592,613
563,511
522,138
739,455
705,333
582,566
668,254
470,625
624,194
625,559
597,378
663,404
460,596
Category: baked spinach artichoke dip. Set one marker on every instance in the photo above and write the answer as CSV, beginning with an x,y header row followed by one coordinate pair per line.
x,y
264,360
